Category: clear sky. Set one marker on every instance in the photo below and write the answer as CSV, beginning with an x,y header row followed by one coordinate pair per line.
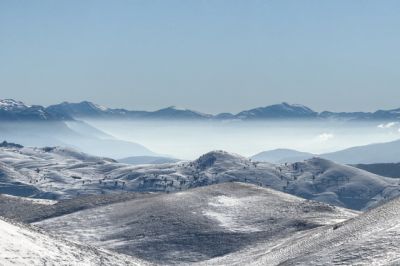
x,y
208,55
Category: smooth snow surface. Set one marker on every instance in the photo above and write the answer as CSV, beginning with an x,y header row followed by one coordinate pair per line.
x,y
23,245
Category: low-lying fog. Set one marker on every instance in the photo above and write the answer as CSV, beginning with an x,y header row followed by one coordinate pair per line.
x,y
189,139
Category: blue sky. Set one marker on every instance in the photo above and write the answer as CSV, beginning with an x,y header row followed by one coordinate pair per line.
x,y
211,55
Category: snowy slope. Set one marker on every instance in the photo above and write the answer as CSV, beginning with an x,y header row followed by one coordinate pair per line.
x,y
24,245
372,238
63,173
197,224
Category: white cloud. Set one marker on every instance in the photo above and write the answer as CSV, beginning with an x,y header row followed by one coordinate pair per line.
x,y
388,125
325,136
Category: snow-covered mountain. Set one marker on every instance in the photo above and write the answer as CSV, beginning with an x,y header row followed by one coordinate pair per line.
x,y
64,173
87,109
278,111
82,109
90,110
25,245
174,112
11,110
392,114
195,225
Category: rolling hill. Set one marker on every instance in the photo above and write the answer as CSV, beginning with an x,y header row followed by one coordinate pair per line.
x,y
196,224
59,173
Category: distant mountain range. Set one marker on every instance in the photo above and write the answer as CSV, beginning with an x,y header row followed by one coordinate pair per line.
x,y
282,156
14,110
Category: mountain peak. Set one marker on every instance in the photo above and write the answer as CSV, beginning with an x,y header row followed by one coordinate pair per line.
x,y
12,110
282,110
219,157
11,104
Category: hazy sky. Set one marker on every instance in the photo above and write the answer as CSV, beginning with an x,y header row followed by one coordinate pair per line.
x,y
210,55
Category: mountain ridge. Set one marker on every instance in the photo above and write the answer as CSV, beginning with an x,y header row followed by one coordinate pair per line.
x,y
16,110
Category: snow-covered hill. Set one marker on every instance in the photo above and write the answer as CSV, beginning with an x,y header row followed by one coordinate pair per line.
x,y
64,173
15,111
25,245
372,238
197,224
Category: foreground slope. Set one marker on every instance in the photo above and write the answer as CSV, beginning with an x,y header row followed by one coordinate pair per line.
x,y
58,173
24,245
197,224
372,238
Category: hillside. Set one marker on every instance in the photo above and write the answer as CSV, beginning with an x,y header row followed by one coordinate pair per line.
x,y
197,224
